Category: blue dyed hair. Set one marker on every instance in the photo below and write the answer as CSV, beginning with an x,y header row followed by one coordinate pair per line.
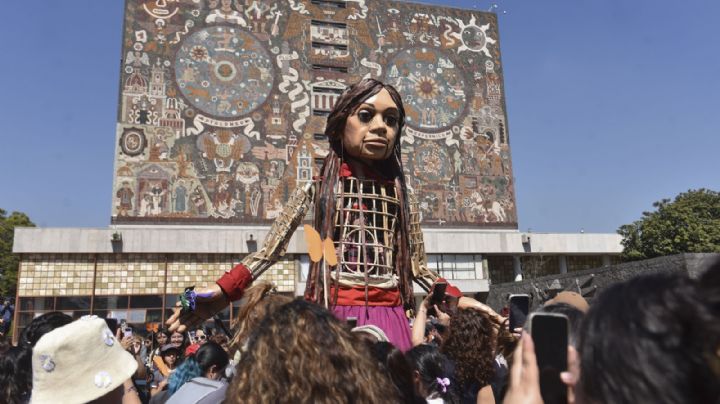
x,y
188,370
197,365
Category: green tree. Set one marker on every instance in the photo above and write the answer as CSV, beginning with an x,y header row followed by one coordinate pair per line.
x,y
689,224
8,260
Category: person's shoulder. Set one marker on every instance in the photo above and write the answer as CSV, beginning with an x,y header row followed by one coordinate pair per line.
x,y
209,383
200,390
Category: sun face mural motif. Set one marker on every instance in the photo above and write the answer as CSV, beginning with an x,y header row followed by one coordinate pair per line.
x,y
433,89
474,38
223,71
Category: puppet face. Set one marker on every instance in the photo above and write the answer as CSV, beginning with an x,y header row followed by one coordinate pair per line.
x,y
371,131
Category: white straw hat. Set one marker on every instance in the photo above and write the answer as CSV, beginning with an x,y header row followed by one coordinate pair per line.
x,y
79,362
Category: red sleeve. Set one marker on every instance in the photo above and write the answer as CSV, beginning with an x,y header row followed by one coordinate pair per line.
x,y
234,282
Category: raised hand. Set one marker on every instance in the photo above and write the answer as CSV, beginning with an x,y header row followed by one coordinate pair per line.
x,y
208,302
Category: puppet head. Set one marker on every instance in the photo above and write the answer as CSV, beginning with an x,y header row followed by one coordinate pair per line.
x,y
366,121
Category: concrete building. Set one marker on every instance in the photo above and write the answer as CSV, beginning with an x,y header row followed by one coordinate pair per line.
x,y
138,277
221,114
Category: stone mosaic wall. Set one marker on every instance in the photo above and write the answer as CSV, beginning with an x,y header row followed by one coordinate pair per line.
x,y
130,274
133,274
223,105
56,275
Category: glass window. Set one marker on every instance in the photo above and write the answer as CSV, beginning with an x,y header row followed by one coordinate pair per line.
x,y
500,268
154,316
136,316
25,318
110,302
73,303
170,300
453,266
144,301
540,265
37,303
579,262
79,313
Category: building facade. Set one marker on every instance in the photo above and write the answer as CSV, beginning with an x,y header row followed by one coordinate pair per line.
x,y
222,109
223,106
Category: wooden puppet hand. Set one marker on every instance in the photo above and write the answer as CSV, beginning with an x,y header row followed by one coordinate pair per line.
x,y
209,302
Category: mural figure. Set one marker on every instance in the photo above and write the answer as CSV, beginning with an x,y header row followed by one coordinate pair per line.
x,y
224,13
125,195
180,198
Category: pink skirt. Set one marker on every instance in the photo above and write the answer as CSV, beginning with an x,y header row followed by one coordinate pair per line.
x,y
391,320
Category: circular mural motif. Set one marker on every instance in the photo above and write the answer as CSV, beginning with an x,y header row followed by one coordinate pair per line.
x,y
223,71
432,163
432,86
133,141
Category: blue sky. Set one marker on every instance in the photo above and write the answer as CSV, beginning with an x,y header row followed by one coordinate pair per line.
x,y
612,104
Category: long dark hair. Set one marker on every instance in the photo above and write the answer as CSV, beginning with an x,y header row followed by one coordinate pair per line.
x,y
15,374
348,102
397,368
433,368
198,365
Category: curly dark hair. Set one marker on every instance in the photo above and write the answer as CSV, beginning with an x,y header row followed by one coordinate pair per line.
x,y
301,353
15,374
471,345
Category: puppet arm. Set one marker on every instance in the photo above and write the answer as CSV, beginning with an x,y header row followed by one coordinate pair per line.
x,y
234,282
231,286
281,232
421,273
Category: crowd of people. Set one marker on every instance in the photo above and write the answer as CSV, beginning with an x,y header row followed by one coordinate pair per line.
x,y
654,338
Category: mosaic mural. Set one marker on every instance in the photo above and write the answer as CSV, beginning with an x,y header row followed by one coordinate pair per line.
x,y
223,105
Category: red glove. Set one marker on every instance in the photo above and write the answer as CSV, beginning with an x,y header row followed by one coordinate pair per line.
x,y
234,282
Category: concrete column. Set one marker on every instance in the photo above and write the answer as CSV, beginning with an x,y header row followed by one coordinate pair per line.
x,y
563,264
479,273
517,268
606,260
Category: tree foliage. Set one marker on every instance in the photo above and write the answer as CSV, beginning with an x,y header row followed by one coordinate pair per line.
x,y
8,260
689,224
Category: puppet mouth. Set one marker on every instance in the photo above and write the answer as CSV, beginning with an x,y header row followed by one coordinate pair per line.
x,y
379,142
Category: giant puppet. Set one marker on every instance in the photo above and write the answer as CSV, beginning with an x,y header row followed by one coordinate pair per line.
x,y
362,204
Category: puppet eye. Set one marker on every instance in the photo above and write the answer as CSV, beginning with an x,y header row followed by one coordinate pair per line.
x,y
365,116
391,120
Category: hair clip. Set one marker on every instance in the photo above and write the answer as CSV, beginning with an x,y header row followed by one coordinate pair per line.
x,y
444,383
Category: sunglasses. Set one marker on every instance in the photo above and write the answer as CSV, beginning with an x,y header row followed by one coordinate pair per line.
x,y
202,337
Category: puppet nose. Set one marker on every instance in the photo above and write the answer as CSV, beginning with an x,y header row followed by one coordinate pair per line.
x,y
378,125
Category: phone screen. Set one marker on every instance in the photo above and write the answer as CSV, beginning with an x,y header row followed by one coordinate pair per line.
x,y
438,293
550,334
352,322
127,332
519,309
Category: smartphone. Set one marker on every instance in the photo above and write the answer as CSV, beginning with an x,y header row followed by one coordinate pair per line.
x,y
438,293
127,332
549,332
519,309
191,335
352,322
